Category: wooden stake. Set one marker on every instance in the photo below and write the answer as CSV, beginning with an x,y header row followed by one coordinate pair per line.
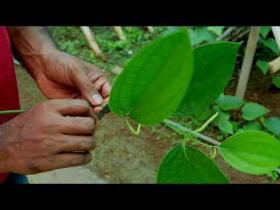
x,y
247,61
120,33
276,33
274,66
150,29
91,40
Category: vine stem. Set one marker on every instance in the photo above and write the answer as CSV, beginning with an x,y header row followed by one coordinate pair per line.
x,y
11,112
135,132
182,130
205,125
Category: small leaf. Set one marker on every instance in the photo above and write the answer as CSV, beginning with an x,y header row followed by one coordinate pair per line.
x,y
252,152
216,29
272,45
252,111
235,125
187,165
272,124
227,102
154,82
264,31
276,80
252,126
223,123
263,66
213,68
201,34
226,126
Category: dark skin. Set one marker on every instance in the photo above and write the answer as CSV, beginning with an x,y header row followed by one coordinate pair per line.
x,y
57,133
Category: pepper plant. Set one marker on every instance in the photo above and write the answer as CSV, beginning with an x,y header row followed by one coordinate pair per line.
x,y
168,77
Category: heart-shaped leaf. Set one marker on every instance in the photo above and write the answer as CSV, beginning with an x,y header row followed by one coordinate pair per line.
x,y
263,66
213,68
272,124
155,80
227,102
252,111
187,165
265,31
252,126
252,152
223,122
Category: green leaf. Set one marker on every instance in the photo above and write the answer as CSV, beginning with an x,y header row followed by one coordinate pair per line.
x,y
154,82
235,125
226,126
272,45
272,124
213,68
187,165
263,66
216,29
223,123
201,34
252,111
264,31
276,80
227,102
252,126
252,152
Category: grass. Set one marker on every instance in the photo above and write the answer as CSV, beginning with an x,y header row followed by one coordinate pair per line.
x,y
72,41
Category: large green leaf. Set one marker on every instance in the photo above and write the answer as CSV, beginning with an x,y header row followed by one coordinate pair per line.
x,y
252,111
273,125
213,68
187,165
252,152
228,102
154,82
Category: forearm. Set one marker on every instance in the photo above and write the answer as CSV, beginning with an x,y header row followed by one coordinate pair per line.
x,y
31,44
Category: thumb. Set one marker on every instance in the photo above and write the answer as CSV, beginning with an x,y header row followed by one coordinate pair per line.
x,y
86,88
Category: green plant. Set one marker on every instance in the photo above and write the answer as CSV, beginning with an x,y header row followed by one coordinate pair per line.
x,y
248,115
268,50
168,77
276,80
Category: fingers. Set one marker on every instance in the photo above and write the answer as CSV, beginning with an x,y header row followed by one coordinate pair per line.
x,y
65,160
87,88
101,83
76,143
72,107
78,125
106,89
97,109
99,80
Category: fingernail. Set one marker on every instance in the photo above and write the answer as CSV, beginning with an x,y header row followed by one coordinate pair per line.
x,y
97,99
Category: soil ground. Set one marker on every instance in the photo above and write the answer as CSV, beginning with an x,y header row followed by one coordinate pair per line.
x,y
121,157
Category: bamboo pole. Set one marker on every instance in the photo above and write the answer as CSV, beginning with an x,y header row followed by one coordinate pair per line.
x,y
91,40
274,66
247,62
150,29
120,33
